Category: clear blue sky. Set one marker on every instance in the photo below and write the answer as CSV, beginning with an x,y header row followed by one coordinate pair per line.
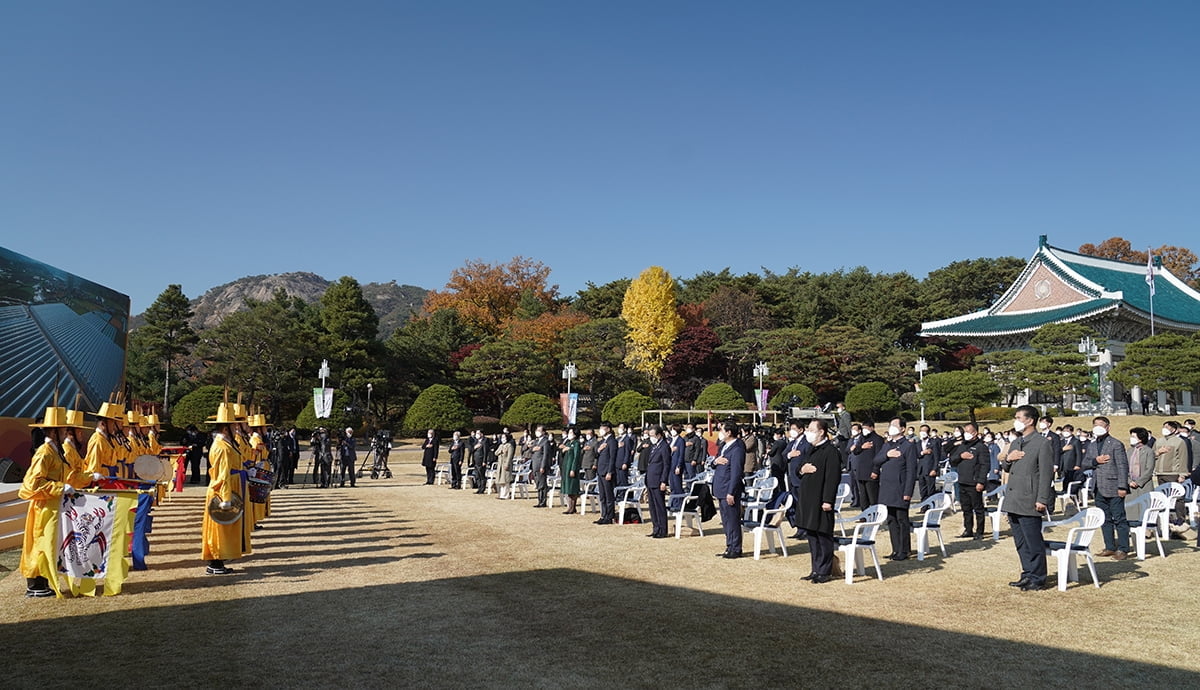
x,y
145,143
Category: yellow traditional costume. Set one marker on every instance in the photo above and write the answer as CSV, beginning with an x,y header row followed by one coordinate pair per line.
x,y
104,453
48,476
260,454
151,421
222,542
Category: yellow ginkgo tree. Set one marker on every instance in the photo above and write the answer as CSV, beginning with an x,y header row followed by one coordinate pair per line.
x,y
649,310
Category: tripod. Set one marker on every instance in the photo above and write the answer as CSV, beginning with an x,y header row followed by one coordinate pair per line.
x,y
379,466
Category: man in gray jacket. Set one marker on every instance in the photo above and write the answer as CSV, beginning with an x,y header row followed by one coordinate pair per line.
x,y
1105,456
1030,465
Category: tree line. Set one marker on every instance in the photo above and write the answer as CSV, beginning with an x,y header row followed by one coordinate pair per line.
x,y
496,332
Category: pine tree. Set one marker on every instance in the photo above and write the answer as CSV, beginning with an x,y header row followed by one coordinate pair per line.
x,y
167,332
649,309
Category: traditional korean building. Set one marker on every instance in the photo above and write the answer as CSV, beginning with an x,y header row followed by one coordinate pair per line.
x,y
1112,297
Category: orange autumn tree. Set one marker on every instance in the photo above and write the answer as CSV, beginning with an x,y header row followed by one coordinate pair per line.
x,y
487,295
1180,261
545,329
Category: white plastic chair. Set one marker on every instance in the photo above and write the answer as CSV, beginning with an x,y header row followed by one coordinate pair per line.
x,y
931,523
442,474
1078,541
862,540
1173,491
1085,493
949,481
1151,505
996,515
689,510
839,503
1193,509
490,474
1068,495
631,499
520,481
770,524
589,492
758,496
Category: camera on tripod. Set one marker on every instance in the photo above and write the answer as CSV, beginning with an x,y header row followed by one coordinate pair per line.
x,y
381,445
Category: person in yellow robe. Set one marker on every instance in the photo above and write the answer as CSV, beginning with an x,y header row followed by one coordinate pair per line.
x,y
48,478
136,445
261,457
241,443
104,451
222,542
151,423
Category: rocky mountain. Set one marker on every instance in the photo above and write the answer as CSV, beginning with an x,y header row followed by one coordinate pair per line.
x,y
393,303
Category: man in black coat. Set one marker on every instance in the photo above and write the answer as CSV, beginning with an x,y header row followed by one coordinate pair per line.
x,y
1070,457
896,470
658,471
777,461
728,470
480,451
822,471
795,454
626,447
429,454
695,451
929,457
972,460
606,472
196,442
458,448
862,456
539,469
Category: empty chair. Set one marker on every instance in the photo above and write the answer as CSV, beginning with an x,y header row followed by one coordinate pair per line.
x,y
839,503
1193,509
689,509
1078,542
1085,493
758,496
1067,495
996,514
949,481
770,524
862,540
520,481
931,523
589,493
1173,491
1150,506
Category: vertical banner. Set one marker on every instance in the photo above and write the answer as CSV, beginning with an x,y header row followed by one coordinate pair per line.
x,y
322,402
762,394
572,407
564,406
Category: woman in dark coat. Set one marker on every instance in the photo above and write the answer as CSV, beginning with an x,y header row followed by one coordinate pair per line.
x,y
569,470
814,515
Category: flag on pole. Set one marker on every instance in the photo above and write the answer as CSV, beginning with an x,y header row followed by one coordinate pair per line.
x,y
1150,272
92,542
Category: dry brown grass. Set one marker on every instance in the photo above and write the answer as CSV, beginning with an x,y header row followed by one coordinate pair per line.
x,y
396,584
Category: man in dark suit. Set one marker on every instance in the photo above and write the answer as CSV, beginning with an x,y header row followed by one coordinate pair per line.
x,y
480,452
695,451
1070,457
822,472
458,448
896,470
626,447
677,462
1046,428
539,468
606,472
429,454
1030,464
842,424
863,455
658,472
972,460
728,470
777,461
929,458
795,454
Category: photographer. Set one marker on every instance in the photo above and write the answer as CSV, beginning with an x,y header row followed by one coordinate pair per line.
x,y
347,456
321,457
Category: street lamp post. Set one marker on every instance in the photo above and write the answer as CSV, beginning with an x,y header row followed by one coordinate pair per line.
x,y
920,368
369,389
1095,357
760,370
569,372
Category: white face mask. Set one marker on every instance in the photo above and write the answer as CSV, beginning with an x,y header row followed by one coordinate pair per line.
x,y
893,430
793,434
987,439
721,436
674,433
538,433
813,437
969,436
1166,431
1134,440
1044,426
1018,426
1099,431
924,435
958,434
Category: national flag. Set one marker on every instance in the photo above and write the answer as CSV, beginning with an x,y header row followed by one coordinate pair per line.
x,y
1150,272
93,541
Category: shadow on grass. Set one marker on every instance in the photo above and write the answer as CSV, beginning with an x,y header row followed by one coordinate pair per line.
x,y
544,628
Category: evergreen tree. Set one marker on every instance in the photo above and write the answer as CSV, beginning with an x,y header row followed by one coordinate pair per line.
x,y
167,333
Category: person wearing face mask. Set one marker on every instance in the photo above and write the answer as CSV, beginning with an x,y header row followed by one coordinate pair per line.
x,y
929,457
822,471
606,469
678,449
862,457
1107,460
539,469
1030,466
569,456
1141,462
458,448
626,453
1171,466
695,451
993,476
896,469
972,460
658,471
727,484
1045,428
1189,444
795,453
1070,457
776,462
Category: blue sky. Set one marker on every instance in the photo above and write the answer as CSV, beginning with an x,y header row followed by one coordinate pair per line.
x,y
145,143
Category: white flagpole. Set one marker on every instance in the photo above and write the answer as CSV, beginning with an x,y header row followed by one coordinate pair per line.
x,y
1150,282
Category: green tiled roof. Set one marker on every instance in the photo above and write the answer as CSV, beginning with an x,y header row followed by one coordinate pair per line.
x,y
1170,301
1001,324
1110,285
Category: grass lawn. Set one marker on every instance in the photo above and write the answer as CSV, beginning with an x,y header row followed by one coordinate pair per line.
x,y
397,584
